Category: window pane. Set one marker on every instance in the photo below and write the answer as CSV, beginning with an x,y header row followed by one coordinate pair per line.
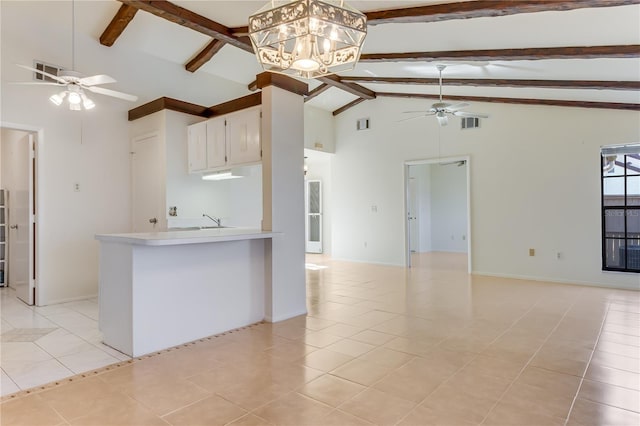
x,y
613,191
613,166
633,190
614,223
614,253
314,197
314,228
633,164
633,224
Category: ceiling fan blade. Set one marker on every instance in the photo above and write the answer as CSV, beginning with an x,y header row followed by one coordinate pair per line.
x,y
113,93
414,112
417,116
55,77
442,119
456,107
470,114
96,79
36,83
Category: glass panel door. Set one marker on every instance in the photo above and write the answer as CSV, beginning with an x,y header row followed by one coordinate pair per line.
x,y
313,208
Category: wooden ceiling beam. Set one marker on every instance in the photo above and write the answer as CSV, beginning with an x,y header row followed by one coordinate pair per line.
x,y
123,16
482,9
354,89
189,19
525,54
492,82
520,101
317,91
347,106
204,55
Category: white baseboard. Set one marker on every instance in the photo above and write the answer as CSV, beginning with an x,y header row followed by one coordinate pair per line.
x,y
558,280
67,300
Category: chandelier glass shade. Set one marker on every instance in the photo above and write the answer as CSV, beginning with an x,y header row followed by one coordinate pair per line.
x,y
307,38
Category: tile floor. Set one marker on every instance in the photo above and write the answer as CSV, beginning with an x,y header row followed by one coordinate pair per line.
x,y
388,346
39,345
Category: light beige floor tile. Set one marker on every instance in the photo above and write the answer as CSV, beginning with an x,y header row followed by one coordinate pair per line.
x,y
413,346
373,337
425,416
253,395
589,413
342,330
331,390
624,339
497,367
627,399
88,360
290,351
630,351
325,360
387,357
250,420
360,371
620,362
120,410
30,374
320,339
80,398
612,376
293,409
164,395
30,410
562,358
340,418
350,347
507,414
213,410
378,407
7,386
409,386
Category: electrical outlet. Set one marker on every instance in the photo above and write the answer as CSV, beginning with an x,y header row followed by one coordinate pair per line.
x,y
532,252
558,255
76,187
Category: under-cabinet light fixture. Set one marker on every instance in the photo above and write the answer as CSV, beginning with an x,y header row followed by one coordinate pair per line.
x,y
224,175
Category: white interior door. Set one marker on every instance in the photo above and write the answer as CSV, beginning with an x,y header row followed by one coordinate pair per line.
x,y
147,185
313,208
22,220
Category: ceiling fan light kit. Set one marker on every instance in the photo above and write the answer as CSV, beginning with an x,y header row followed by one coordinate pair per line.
x,y
307,38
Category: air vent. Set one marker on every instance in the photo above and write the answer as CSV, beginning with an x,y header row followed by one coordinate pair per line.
x,y
48,68
469,122
362,124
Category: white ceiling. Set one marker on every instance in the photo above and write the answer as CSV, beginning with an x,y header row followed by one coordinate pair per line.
x,y
155,37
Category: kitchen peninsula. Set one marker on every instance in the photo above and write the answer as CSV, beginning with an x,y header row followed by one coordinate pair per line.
x,y
162,289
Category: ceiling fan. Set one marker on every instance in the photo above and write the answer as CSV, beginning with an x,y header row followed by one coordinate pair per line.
x,y
442,110
74,83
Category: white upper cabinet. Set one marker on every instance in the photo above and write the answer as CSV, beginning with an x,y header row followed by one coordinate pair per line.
x,y
197,147
243,131
229,140
216,143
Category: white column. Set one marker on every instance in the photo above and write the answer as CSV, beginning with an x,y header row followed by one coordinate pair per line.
x,y
283,202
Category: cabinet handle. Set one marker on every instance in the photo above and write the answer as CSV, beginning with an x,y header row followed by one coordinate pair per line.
x,y
153,220
13,227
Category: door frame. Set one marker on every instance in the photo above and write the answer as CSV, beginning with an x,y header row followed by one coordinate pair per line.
x,y
407,230
38,200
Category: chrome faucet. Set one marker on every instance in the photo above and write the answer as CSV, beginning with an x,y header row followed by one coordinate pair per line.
x,y
216,220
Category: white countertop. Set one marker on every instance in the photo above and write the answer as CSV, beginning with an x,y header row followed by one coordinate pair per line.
x,y
192,236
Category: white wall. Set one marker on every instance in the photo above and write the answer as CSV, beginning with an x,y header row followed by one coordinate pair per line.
x,y
319,128
523,193
448,208
90,148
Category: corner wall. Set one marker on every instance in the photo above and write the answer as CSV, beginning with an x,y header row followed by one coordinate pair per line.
x,y
535,183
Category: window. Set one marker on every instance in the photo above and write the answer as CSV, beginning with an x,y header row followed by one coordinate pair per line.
x,y
621,208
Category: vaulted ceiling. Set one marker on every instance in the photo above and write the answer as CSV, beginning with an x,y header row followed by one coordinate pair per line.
x,y
553,52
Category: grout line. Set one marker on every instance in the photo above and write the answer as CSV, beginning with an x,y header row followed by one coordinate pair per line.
x,y
582,378
528,362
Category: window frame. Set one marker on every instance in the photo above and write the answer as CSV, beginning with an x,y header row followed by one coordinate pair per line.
x,y
625,208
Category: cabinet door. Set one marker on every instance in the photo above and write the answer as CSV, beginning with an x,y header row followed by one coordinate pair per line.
x,y
197,146
243,131
216,149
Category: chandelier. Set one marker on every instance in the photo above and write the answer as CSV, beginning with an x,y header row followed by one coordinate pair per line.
x,y
307,38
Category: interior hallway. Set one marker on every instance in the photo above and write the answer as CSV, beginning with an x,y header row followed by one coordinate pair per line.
x,y
383,345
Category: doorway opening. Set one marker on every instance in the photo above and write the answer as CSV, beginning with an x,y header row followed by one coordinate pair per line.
x,y
437,207
19,147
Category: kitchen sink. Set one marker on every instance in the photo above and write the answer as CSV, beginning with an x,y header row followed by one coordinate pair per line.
x,y
196,228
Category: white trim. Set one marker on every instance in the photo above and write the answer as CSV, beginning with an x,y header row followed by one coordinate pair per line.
x,y
557,281
406,164
70,299
290,315
39,131
343,259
